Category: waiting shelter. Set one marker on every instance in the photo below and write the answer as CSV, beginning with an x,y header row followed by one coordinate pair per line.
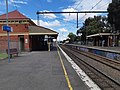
x,y
104,39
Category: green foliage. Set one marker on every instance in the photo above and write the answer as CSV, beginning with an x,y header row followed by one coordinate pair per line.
x,y
114,14
94,25
72,37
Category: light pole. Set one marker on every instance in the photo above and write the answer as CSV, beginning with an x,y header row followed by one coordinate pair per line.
x,y
8,31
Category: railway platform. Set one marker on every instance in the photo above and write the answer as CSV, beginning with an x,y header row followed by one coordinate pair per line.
x,y
109,52
112,49
39,71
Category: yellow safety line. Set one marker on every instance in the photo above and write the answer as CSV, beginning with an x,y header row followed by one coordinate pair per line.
x,y
65,72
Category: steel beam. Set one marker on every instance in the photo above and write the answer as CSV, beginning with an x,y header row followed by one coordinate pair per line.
x,y
73,12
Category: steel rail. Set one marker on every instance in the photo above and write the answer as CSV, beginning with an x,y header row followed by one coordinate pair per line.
x,y
116,82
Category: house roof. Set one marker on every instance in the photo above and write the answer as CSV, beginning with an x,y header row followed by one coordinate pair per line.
x,y
38,30
13,15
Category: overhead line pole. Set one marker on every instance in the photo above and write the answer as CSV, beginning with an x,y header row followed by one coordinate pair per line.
x,y
77,20
71,12
38,20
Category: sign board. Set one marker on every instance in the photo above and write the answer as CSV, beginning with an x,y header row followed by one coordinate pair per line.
x,y
7,28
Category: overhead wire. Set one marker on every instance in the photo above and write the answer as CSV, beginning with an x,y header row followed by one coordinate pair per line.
x,y
78,4
85,13
95,4
102,6
66,21
91,9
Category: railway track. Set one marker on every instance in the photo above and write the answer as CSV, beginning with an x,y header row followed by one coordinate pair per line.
x,y
112,63
105,73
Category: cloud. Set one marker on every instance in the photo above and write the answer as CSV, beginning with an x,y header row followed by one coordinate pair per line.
x,y
62,36
63,30
18,1
92,4
73,16
85,5
54,23
88,4
50,16
69,16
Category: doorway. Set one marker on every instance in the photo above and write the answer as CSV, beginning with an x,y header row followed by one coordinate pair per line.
x,y
21,43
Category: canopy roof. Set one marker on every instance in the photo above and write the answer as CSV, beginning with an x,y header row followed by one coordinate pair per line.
x,y
102,34
38,30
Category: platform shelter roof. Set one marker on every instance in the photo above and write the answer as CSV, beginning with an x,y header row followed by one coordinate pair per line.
x,y
39,30
101,34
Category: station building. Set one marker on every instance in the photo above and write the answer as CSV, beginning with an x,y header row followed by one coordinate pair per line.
x,y
26,35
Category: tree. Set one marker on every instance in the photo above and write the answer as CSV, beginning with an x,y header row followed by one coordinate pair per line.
x,y
97,24
72,37
114,15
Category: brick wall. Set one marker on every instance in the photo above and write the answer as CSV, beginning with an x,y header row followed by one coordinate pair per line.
x,y
4,43
26,43
16,28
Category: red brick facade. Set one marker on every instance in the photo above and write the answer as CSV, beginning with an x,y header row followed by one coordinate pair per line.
x,y
27,44
26,35
19,38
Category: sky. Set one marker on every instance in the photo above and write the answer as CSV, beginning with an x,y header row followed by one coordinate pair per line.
x,y
61,23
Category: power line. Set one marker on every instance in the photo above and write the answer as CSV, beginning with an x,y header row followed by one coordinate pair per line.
x,y
78,11
95,4
91,8
102,6
78,4
73,12
62,20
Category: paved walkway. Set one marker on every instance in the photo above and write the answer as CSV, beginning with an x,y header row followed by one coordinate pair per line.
x,y
38,71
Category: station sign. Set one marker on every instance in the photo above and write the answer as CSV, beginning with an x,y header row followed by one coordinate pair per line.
x,y
7,28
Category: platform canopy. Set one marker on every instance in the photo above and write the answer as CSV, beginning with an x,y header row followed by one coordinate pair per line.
x,y
102,34
39,30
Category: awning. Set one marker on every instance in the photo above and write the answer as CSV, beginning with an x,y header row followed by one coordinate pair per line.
x,y
102,34
38,30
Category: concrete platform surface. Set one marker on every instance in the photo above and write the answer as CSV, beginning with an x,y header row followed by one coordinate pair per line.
x,y
104,48
38,71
